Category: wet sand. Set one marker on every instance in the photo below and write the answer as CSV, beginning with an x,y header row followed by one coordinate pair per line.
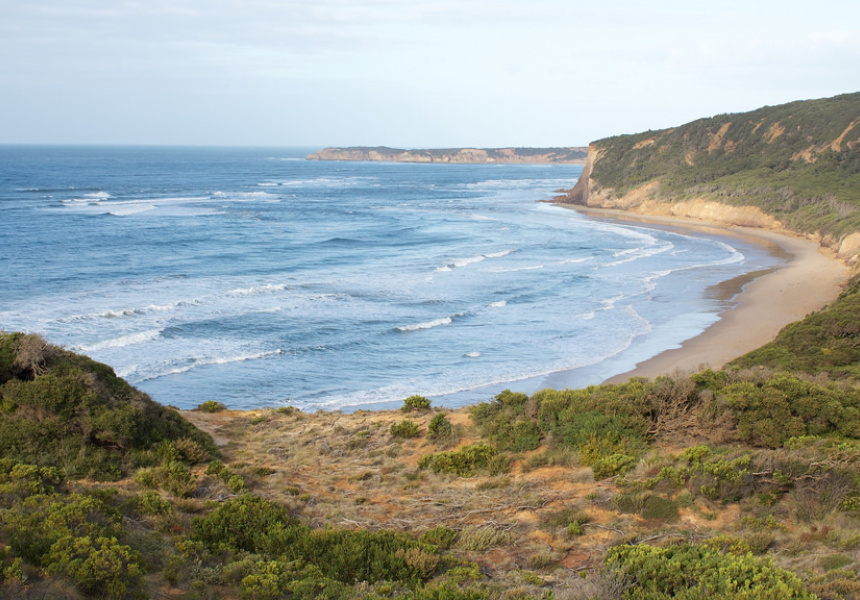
x,y
767,302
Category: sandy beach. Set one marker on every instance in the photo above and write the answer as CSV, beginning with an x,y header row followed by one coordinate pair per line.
x,y
807,281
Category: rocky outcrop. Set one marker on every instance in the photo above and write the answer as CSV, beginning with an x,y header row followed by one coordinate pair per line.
x,y
571,155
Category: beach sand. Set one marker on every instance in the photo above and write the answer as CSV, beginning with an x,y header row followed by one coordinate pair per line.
x,y
806,282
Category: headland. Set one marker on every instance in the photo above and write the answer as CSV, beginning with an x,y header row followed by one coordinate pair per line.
x,y
568,155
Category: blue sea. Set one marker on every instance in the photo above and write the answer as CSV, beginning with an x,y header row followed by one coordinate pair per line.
x,y
253,277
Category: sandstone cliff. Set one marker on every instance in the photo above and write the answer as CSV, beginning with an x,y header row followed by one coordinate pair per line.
x,y
572,155
794,167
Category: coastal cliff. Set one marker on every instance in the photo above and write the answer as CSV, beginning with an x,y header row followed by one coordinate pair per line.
x,y
792,167
572,155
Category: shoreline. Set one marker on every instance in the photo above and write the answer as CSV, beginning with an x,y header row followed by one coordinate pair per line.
x,y
767,302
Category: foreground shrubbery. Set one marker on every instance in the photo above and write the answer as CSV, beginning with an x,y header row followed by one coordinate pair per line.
x,y
792,455
700,573
65,410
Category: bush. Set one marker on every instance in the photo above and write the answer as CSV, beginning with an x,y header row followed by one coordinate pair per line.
x,y
68,411
100,567
507,422
211,406
404,429
441,537
415,403
440,428
658,507
464,462
681,570
246,523
174,478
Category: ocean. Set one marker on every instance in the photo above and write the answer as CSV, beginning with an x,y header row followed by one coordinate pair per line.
x,y
255,278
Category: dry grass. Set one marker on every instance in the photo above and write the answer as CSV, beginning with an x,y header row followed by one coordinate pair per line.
x,y
347,470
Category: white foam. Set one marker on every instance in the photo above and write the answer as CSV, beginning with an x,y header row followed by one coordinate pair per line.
x,y
472,354
427,324
498,304
575,261
132,312
258,290
121,341
464,262
131,210
517,269
632,254
203,362
499,254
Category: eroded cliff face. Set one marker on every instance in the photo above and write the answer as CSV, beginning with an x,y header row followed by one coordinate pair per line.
x,y
645,200
568,155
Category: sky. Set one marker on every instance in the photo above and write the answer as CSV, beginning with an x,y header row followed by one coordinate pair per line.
x,y
407,74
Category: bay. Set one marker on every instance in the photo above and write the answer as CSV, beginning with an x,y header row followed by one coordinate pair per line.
x,y
253,277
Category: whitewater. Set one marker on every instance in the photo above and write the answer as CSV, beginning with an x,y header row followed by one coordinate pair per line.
x,y
254,278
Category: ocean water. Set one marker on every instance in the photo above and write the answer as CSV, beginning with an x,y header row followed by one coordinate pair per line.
x,y
255,278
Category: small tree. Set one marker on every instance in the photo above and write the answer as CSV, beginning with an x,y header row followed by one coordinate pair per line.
x,y
415,403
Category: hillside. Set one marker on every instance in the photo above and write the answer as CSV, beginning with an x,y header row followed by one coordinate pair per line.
x,y
455,155
795,166
732,484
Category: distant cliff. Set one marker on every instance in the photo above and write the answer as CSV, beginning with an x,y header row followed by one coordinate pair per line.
x,y
794,166
575,155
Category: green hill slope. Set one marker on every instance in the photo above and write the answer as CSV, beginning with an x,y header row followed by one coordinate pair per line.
x,y
798,162
65,410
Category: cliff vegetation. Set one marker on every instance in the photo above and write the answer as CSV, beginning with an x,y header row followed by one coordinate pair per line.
x,y
799,163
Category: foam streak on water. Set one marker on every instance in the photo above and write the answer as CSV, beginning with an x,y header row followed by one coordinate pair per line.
x,y
253,277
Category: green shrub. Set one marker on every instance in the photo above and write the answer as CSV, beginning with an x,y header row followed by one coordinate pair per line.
x,y
658,507
33,526
506,424
18,481
99,567
441,537
464,462
404,429
247,523
68,411
175,478
149,503
211,406
685,571
440,428
415,403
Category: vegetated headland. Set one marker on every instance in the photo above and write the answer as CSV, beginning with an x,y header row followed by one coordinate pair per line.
x,y
738,482
573,155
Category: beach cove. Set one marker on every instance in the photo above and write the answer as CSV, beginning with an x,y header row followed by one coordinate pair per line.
x,y
808,280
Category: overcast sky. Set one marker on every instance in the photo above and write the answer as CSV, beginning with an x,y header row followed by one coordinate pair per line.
x,y
422,73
